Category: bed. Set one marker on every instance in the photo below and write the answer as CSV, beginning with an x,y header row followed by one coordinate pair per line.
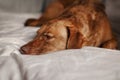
x,y
88,63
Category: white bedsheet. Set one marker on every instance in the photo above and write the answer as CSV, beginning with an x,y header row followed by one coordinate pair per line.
x,y
13,34
88,63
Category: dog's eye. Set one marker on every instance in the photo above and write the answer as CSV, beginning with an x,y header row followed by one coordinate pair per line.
x,y
48,35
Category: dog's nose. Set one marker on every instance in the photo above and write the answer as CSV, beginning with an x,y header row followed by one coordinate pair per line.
x,y
24,50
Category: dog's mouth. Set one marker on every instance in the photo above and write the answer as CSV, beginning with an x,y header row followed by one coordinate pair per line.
x,y
68,36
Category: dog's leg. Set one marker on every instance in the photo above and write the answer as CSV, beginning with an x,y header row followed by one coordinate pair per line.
x,y
52,11
32,22
110,44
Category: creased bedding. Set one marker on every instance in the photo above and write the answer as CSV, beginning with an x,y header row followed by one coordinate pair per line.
x,y
88,63
13,34
79,64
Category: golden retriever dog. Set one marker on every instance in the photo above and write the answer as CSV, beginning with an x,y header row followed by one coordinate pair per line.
x,y
83,23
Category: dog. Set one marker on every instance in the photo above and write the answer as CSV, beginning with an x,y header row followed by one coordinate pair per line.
x,y
83,23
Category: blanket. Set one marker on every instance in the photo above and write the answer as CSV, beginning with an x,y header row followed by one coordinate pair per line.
x,y
88,63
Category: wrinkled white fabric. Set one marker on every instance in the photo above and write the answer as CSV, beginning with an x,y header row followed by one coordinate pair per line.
x,y
13,34
80,64
88,63
11,68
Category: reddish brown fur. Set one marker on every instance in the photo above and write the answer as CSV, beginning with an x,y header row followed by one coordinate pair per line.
x,y
82,23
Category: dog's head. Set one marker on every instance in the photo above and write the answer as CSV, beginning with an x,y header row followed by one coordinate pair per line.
x,y
53,36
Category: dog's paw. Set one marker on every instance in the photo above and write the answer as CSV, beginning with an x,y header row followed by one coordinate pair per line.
x,y
31,22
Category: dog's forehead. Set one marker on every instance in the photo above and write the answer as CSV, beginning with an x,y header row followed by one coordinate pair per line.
x,y
43,29
54,28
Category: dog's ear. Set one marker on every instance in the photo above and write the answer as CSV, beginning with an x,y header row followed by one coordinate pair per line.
x,y
75,38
